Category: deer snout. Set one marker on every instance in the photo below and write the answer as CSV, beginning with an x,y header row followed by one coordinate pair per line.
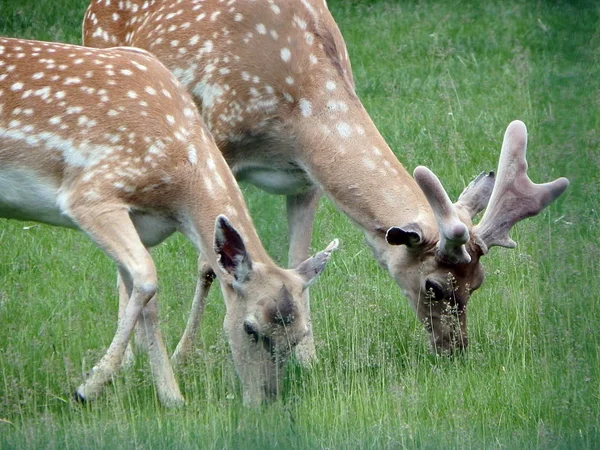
x,y
449,343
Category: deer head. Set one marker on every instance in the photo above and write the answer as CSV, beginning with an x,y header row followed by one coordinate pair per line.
x,y
266,317
439,266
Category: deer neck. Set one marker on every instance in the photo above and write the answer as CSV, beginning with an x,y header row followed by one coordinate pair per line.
x,y
344,153
210,196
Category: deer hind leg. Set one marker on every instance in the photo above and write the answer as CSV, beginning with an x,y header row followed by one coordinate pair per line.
x,y
111,228
205,279
301,211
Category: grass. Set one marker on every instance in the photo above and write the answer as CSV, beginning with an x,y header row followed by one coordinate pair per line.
x,y
441,80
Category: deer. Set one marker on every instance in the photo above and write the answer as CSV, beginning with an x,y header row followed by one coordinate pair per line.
x,y
273,81
106,141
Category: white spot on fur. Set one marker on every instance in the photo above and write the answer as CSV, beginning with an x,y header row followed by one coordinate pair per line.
x,y
192,154
344,130
308,6
337,106
139,66
286,55
210,163
299,22
369,164
207,47
305,107
185,76
208,93
72,80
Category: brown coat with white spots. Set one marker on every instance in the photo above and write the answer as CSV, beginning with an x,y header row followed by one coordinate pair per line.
x,y
273,81
108,142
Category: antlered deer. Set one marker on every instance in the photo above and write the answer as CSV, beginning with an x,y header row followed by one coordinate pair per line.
x,y
273,82
108,142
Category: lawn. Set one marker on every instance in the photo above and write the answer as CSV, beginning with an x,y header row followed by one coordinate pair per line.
x,y
441,80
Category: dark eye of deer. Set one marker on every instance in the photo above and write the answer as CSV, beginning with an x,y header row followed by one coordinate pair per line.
x,y
251,330
433,289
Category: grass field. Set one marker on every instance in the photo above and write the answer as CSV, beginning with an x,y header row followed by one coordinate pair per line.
x,y
442,80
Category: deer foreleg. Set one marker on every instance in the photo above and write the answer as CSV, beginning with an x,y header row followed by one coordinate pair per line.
x,y
205,279
301,210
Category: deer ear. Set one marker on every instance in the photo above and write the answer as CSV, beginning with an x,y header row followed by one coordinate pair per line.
x,y
311,268
409,235
231,251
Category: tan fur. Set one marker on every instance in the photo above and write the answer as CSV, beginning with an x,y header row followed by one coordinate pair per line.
x,y
273,81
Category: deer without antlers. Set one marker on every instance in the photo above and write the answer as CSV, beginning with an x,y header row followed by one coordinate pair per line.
x,y
273,81
108,142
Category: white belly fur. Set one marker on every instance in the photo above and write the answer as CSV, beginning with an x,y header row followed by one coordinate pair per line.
x,y
26,196
152,229
274,181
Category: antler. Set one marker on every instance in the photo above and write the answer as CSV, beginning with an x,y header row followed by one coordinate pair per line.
x,y
476,195
453,233
515,197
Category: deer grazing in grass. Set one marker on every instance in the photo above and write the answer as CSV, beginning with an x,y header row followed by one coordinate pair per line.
x,y
108,142
273,82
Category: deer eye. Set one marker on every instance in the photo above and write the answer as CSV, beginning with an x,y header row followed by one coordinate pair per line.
x,y
251,329
433,289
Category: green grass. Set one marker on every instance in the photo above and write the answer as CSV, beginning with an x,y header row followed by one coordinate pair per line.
x,y
441,80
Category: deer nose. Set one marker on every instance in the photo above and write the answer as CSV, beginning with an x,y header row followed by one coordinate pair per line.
x,y
450,344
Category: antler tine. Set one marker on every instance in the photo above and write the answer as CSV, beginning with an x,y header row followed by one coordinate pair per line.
x,y
515,197
476,195
453,233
